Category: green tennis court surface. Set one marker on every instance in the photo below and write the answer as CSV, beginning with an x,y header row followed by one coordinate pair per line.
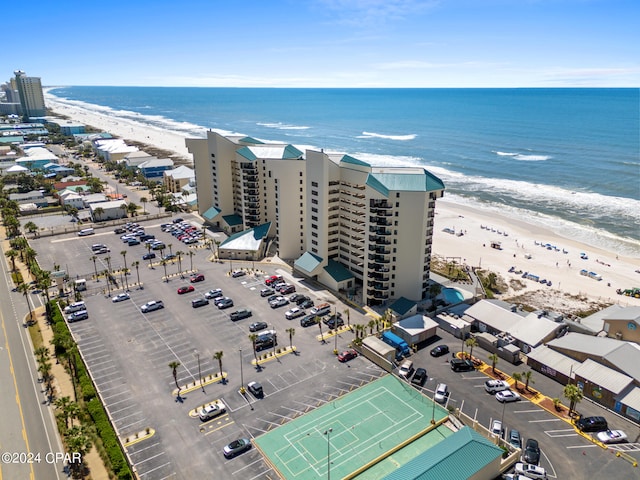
x,y
366,425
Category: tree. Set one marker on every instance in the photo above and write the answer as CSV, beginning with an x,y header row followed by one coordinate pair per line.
x,y
31,228
170,245
163,262
144,201
29,257
78,441
132,208
149,251
179,255
174,371
24,289
435,289
136,264
574,394
318,320
291,331
97,213
218,356
347,313
516,378
93,258
43,282
191,254
371,324
494,360
253,337
471,342
62,404
124,257
527,378
12,254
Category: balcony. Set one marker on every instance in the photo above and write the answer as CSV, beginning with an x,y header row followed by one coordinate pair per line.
x,y
377,286
379,250
379,277
380,221
377,258
379,231
377,295
379,204
377,268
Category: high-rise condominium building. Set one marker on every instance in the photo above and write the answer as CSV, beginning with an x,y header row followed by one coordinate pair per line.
x,y
349,225
31,96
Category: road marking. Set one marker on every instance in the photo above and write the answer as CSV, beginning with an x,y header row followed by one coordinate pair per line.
x,y
548,420
528,411
583,446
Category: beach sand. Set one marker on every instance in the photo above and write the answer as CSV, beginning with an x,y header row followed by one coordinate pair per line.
x,y
569,289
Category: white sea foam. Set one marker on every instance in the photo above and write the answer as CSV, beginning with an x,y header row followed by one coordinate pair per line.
x,y
283,126
387,137
531,158
506,154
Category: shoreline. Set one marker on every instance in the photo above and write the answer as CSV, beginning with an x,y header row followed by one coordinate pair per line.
x,y
563,269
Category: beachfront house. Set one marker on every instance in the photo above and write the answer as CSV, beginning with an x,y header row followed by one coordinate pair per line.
x,y
154,169
178,179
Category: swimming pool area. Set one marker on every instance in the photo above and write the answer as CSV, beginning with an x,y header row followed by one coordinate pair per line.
x,y
452,295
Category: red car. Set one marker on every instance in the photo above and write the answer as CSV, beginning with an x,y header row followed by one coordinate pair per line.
x,y
197,278
347,355
186,289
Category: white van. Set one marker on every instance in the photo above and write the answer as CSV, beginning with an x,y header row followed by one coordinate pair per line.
x,y
86,231
406,369
75,307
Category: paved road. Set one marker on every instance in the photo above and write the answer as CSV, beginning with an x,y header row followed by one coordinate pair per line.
x,y
27,425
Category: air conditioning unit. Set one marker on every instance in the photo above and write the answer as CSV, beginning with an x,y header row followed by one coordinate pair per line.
x,y
619,335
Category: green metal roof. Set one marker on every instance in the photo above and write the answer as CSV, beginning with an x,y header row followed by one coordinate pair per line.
x,y
459,456
250,140
404,182
291,152
247,153
211,213
232,220
308,262
354,161
338,271
257,233
402,305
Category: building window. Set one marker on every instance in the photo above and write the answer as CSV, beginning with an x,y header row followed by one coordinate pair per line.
x,y
314,226
314,234
314,193
313,242
314,209
314,184
397,194
314,201
314,218
314,250
397,204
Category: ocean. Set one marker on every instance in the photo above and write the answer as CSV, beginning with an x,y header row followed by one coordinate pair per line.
x,y
565,159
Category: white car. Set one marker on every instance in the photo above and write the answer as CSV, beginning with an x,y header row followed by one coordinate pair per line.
x,y
612,436
121,297
531,471
495,386
497,430
152,306
442,392
295,312
211,411
507,396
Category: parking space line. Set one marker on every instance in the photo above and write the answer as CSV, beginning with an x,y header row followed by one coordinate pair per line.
x,y
120,392
121,410
131,424
110,404
150,458
172,474
225,425
131,452
536,410
583,446
547,420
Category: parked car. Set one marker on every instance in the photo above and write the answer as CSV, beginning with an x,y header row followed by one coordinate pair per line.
x,y
197,278
211,411
75,307
152,306
460,365
266,340
335,321
406,369
420,377
507,396
185,289
592,424
257,326
256,389
531,452
266,292
236,447
215,293
240,314
199,302
121,297
223,303
515,440
308,321
133,241
531,471
238,273
272,280
103,250
295,312
279,302
439,351
77,316
308,303
497,430
169,256
287,289
347,355
294,298
612,436
442,393
119,230
178,220
495,386
149,256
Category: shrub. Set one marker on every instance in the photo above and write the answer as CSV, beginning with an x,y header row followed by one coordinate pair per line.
x,y
108,436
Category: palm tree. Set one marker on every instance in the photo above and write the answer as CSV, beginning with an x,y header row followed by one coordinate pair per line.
x,y
78,441
149,251
217,244
29,256
136,264
43,279
170,245
574,394
527,378
62,404
319,322
108,260
346,312
174,370
471,342
371,324
24,289
31,228
218,356
93,258
494,360
144,201
163,262
131,208
12,254
124,257
191,254
97,213
291,331
179,255
516,378
253,337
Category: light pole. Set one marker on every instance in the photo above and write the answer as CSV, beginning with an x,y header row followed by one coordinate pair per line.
x,y
328,434
241,376
504,404
197,354
433,407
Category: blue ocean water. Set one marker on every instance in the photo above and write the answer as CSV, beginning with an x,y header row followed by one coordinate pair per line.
x,y
567,158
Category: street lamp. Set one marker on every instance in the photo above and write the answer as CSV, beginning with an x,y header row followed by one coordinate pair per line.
x,y
328,434
433,407
504,404
241,376
197,354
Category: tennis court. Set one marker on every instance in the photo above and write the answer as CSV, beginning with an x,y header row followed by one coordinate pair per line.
x,y
352,432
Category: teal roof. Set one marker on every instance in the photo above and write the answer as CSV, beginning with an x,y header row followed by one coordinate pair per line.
x,y
459,456
354,161
402,305
404,182
256,233
291,152
308,262
232,220
211,213
247,153
251,140
337,271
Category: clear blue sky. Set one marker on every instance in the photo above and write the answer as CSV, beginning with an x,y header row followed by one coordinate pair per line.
x,y
326,43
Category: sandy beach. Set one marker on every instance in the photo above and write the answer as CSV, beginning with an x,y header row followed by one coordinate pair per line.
x,y
523,246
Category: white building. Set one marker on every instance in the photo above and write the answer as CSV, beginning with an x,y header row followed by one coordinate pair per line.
x,y
109,210
31,96
345,223
177,179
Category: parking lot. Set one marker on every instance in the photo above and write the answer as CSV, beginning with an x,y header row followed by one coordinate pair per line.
x,y
128,353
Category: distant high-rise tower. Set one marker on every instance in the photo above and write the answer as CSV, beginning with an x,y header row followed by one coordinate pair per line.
x,y
31,97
